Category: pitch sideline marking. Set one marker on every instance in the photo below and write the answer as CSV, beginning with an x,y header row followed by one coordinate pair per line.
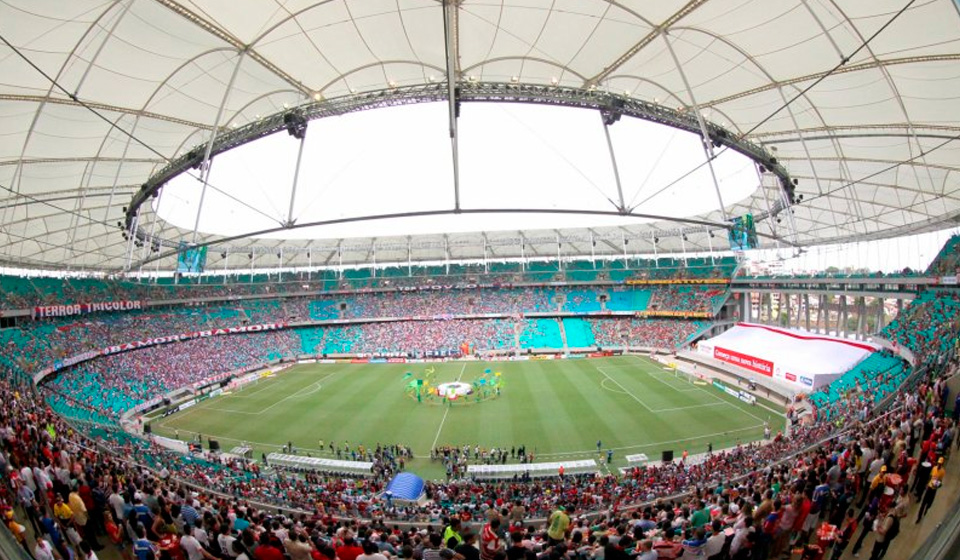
x,y
652,444
711,394
244,393
678,408
735,407
313,386
591,452
444,419
657,377
654,376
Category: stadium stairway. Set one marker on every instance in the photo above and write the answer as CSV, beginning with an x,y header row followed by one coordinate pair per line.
x,y
563,337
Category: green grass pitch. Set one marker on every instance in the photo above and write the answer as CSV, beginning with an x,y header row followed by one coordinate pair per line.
x,y
557,408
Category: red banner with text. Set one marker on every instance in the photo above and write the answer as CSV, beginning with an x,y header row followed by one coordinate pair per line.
x,y
758,365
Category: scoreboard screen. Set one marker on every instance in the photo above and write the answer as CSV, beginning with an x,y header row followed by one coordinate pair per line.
x,y
743,233
191,260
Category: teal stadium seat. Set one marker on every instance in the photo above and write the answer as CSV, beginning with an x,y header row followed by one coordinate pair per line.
x,y
579,334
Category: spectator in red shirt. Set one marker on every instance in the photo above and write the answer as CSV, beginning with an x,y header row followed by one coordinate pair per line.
x,y
490,542
267,550
349,550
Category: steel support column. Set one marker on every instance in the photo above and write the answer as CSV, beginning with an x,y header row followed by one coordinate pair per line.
x,y
453,98
296,179
206,163
878,326
705,139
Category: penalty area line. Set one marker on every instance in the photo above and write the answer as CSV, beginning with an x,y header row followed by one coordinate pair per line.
x,y
636,398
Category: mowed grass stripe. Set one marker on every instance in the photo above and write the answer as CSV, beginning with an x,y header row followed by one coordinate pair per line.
x,y
558,408
355,412
647,427
636,378
494,416
562,414
281,385
601,414
523,414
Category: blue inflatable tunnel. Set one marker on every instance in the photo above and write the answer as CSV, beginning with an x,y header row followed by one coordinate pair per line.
x,y
406,487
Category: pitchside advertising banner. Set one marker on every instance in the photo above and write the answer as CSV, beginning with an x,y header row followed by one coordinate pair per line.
x,y
752,363
645,282
742,395
45,311
674,313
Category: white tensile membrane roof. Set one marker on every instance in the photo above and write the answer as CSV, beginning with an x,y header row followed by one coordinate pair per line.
x,y
856,100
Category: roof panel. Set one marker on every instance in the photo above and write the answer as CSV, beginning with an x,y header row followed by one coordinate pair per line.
x,y
160,71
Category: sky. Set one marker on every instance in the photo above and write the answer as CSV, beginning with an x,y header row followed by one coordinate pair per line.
x,y
885,255
511,155
399,160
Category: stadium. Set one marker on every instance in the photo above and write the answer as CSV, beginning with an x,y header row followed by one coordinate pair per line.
x,y
503,280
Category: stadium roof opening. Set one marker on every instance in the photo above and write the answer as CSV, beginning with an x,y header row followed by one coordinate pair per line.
x,y
535,159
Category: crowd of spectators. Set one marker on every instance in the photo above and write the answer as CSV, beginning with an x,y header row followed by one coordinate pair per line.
x,y
118,382
880,373
696,298
35,344
446,337
24,292
929,327
646,333
450,302
947,261
761,498
483,336
38,343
